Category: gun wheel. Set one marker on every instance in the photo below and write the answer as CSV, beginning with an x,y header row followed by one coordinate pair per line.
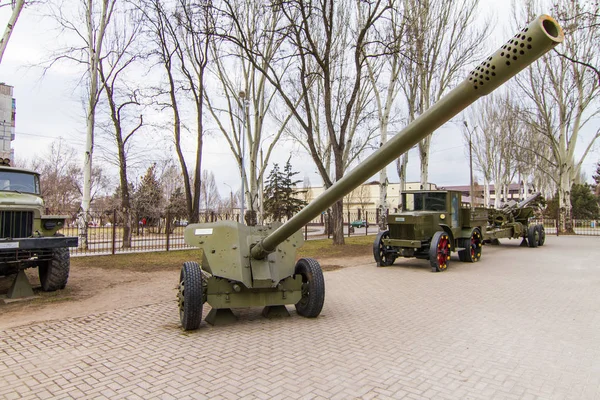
x,y
189,296
542,236
313,288
473,247
383,254
533,236
439,251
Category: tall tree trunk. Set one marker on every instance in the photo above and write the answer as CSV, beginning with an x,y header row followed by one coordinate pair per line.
x,y
424,156
337,215
486,192
564,202
10,26
401,165
383,203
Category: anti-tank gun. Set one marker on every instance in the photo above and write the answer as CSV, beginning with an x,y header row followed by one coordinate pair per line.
x,y
244,266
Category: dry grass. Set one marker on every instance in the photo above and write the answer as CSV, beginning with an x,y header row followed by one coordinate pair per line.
x,y
172,260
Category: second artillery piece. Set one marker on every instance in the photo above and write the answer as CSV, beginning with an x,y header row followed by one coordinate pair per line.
x,y
433,223
249,266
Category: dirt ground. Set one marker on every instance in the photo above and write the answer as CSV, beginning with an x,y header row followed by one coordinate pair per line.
x,y
91,290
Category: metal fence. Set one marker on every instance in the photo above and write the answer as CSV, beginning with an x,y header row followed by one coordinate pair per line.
x,y
580,226
105,233
105,230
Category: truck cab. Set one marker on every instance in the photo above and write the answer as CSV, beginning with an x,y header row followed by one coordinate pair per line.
x,y
428,221
28,238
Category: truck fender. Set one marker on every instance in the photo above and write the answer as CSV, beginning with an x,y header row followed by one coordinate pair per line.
x,y
447,229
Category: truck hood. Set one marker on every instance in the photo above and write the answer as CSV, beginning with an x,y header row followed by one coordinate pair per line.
x,y
20,199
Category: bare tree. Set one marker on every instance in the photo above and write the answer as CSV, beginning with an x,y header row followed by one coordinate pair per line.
x,y
182,36
60,177
317,37
242,120
121,56
441,41
17,7
384,73
489,134
88,27
209,194
558,96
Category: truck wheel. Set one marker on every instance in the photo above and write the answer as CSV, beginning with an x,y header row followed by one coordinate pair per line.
x,y
189,296
54,273
313,288
383,254
533,236
439,251
473,247
542,232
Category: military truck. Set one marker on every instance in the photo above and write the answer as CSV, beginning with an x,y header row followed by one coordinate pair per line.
x,y
433,223
28,238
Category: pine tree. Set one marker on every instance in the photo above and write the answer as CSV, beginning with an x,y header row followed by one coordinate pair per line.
x,y
149,198
281,197
596,177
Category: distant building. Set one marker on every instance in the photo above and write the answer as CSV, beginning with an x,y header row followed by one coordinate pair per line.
x,y
8,109
515,192
366,196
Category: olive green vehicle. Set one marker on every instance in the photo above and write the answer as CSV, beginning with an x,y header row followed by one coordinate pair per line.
x,y
433,224
28,238
245,266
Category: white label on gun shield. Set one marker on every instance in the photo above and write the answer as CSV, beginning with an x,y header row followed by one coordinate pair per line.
x,y
399,219
10,245
201,232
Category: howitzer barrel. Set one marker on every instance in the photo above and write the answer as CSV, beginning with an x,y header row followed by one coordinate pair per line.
x,y
524,48
528,200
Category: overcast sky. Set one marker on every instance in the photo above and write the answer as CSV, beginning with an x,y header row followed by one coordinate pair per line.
x,y
51,107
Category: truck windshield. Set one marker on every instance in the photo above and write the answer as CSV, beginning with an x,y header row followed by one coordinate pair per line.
x,y
22,182
424,201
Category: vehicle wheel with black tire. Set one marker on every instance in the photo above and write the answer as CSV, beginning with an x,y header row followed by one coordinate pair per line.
x,y
384,255
533,236
189,296
473,247
313,288
542,237
54,273
439,251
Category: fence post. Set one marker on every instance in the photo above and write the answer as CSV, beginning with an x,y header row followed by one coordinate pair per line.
x,y
114,231
168,230
366,222
306,232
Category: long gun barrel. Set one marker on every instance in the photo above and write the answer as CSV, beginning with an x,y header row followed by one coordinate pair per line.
x,y
528,200
529,44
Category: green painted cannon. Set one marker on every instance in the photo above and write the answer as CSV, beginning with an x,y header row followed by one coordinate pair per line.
x,y
247,266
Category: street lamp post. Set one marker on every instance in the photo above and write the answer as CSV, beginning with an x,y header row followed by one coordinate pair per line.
x,y
470,163
230,198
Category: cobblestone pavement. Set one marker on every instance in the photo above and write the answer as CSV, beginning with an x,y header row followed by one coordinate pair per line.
x,y
521,324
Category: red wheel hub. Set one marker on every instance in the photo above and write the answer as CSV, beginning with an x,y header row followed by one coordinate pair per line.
x,y
443,251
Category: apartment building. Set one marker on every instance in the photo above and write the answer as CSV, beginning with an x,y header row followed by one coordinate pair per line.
x,y
8,108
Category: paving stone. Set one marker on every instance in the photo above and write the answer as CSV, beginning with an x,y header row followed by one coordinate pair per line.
x,y
521,323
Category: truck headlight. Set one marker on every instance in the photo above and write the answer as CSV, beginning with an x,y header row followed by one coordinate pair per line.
x,y
442,216
52,224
